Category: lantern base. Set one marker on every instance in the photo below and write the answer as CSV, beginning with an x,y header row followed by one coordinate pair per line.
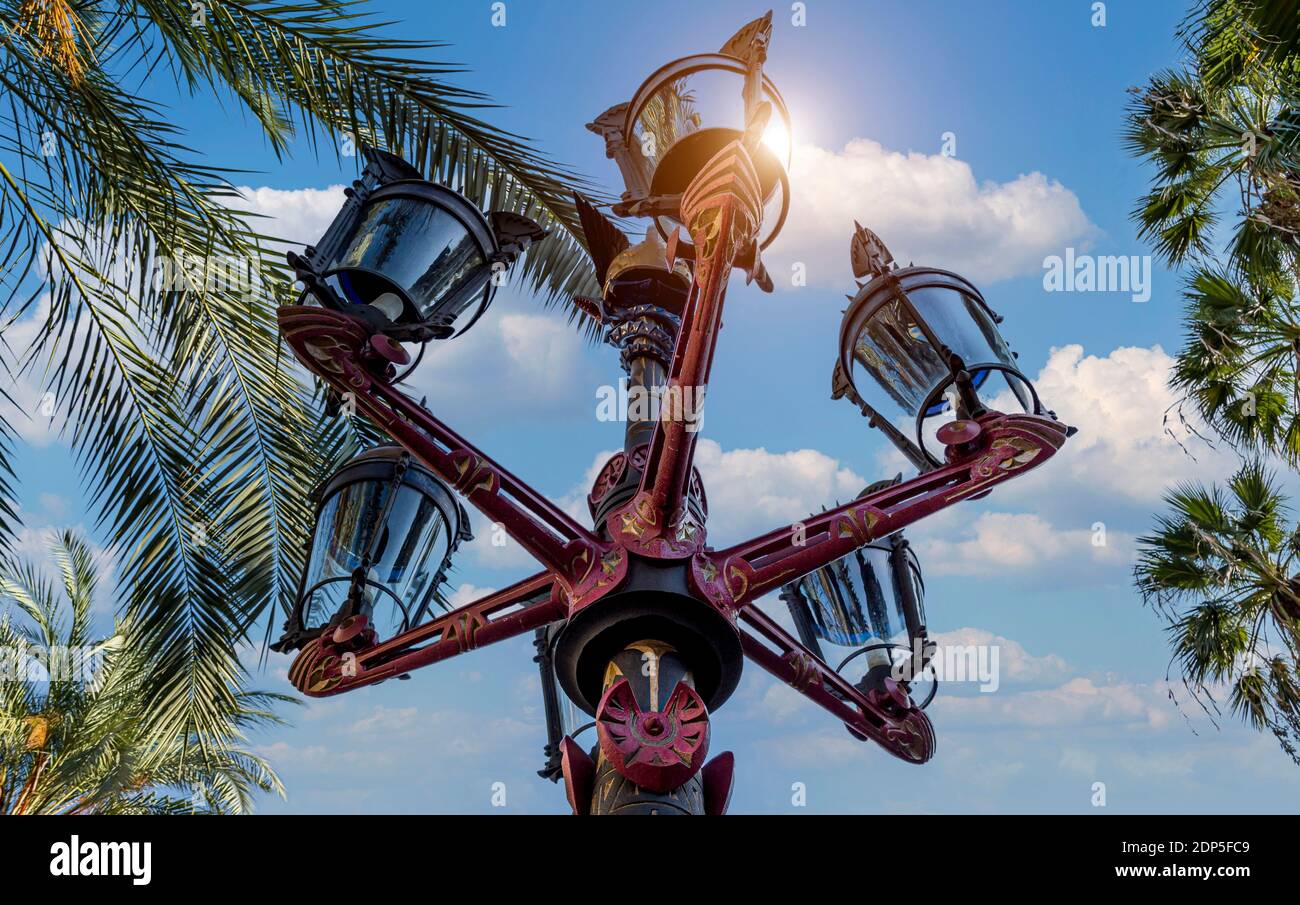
x,y
654,603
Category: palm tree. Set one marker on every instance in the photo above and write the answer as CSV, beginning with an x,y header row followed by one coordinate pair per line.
x,y
195,437
82,742
1224,137
1234,36
1221,568
1239,366
1223,134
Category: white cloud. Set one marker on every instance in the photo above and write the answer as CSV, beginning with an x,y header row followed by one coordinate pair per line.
x,y
1104,483
820,750
510,366
1077,760
298,216
753,490
1078,702
1021,545
54,506
777,703
25,406
929,209
1129,440
780,702
467,593
1130,446
326,759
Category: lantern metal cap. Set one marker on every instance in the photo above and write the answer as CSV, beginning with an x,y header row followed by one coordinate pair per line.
x,y
378,462
649,256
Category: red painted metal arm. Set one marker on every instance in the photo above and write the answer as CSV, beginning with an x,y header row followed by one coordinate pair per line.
x,y
672,448
893,723
337,661
1008,445
337,349
722,208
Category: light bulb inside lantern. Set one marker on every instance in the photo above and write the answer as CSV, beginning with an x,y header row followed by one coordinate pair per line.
x,y
390,304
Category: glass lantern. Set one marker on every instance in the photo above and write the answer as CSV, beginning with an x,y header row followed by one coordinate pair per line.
x,y
413,258
864,615
930,345
692,108
386,528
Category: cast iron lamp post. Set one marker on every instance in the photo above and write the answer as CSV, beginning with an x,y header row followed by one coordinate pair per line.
x,y
641,624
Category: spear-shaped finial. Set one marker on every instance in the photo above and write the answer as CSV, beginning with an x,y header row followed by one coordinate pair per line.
x,y
867,254
752,39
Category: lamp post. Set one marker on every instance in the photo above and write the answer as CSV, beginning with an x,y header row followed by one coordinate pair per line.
x,y
639,623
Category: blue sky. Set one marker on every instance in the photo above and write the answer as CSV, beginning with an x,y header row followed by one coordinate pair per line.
x,y
1033,95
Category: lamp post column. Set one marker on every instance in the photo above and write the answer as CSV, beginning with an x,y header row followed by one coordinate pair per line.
x,y
642,709
646,333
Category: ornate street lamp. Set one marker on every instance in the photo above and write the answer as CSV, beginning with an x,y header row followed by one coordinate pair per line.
x,y
930,344
386,528
412,257
641,626
866,613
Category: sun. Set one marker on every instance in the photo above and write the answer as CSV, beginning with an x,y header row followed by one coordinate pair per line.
x,y
777,138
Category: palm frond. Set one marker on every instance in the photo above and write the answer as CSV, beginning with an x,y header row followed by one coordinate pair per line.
x,y
329,64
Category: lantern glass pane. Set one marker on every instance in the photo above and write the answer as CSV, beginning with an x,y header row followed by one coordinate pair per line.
x,y
571,717
893,352
918,584
910,375
963,325
405,552
419,247
855,603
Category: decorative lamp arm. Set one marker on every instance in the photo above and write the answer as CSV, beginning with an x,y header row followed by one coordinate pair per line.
x,y
343,352
342,658
887,717
991,450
